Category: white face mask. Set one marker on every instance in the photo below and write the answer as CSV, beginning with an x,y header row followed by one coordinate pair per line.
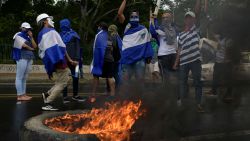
x,y
51,23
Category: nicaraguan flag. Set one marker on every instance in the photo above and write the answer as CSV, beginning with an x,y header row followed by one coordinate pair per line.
x,y
19,40
51,48
155,31
136,45
119,43
99,47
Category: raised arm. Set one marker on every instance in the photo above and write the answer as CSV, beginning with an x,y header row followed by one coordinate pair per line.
x,y
197,8
34,45
121,16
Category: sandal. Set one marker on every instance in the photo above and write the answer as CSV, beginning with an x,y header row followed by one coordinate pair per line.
x,y
23,98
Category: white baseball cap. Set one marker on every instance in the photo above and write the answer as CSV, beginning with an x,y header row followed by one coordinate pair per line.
x,y
43,16
26,25
190,13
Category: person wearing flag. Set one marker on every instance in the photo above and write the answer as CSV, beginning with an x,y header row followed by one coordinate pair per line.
x,y
113,32
166,35
105,54
52,51
22,53
72,41
136,48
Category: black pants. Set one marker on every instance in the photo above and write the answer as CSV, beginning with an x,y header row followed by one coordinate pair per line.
x,y
75,82
166,64
117,77
222,76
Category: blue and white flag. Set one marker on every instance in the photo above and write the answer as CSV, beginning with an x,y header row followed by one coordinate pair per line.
x,y
99,47
19,40
119,43
52,50
136,45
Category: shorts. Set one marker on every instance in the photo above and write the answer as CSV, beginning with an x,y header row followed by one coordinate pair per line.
x,y
108,70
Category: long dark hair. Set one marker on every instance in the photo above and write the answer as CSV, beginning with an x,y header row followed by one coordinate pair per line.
x,y
103,26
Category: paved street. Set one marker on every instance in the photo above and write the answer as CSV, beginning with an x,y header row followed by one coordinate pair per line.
x,y
221,121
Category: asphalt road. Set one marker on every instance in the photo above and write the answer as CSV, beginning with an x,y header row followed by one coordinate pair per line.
x,y
221,121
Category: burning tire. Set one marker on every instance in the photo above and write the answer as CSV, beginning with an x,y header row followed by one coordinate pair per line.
x,y
35,130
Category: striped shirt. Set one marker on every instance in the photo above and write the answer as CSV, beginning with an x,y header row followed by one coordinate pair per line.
x,y
189,45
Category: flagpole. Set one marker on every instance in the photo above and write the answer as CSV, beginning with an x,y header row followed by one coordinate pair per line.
x,y
158,3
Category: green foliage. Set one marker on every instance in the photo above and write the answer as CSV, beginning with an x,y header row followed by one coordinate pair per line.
x,y
231,15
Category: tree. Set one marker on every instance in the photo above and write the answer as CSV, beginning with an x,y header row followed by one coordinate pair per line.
x,y
93,11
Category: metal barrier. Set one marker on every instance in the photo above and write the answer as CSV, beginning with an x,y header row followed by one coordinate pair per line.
x,y
5,53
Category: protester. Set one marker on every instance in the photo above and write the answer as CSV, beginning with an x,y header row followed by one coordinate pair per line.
x,y
72,41
136,49
105,54
189,58
113,32
52,51
166,35
22,53
222,73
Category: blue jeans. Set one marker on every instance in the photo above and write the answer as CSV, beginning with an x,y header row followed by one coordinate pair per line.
x,y
136,69
23,67
195,68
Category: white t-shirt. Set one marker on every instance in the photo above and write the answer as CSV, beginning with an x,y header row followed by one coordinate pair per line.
x,y
164,48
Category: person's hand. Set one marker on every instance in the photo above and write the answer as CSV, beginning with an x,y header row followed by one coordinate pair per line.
x,y
175,66
30,34
153,16
31,49
74,63
148,60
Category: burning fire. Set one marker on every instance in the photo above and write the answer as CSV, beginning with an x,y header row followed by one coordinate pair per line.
x,y
108,124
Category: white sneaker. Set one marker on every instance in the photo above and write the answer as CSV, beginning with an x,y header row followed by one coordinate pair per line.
x,y
49,108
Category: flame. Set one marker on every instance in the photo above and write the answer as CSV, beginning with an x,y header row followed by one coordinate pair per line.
x,y
108,124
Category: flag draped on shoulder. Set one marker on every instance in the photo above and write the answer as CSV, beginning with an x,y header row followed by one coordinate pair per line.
x,y
154,30
19,40
119,43
136,45
51,49
99,47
